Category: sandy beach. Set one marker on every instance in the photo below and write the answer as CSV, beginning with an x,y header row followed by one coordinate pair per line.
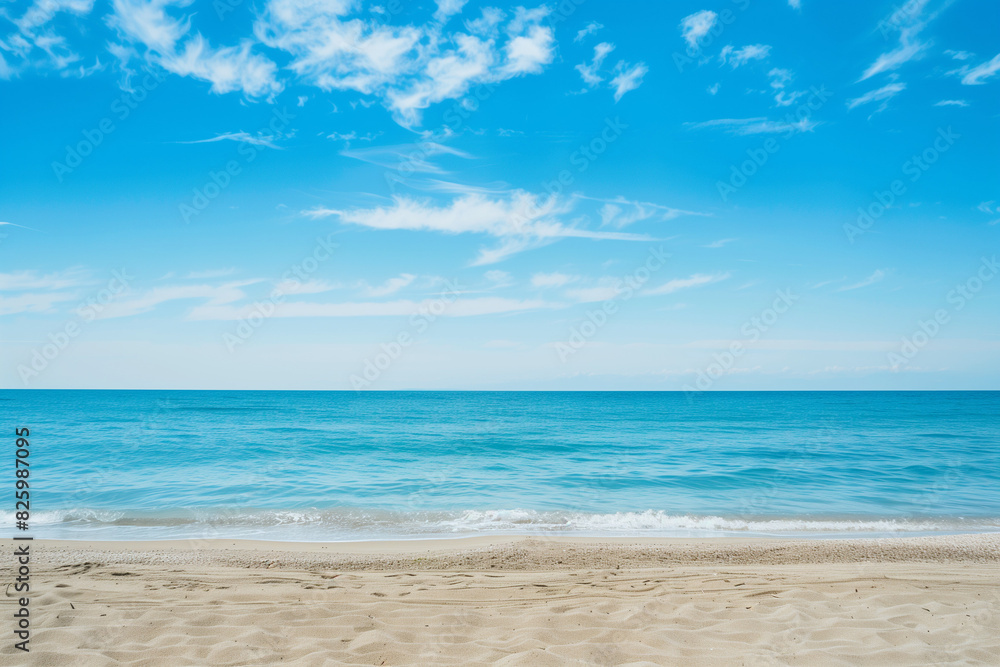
x,y
513,601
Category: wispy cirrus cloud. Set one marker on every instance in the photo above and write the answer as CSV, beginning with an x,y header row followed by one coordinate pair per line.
x,y
695,280
883,95
37,40
258,139
150,299
621,212
415,157
33,302
37,292
907,20
519,219
552,280
390,286
760,125
875,277
462,307
978,75
16,281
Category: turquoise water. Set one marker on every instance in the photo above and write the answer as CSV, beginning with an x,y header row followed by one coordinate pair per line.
x,y
344,465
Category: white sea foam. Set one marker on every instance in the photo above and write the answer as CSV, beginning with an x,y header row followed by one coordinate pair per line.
x,y
344,523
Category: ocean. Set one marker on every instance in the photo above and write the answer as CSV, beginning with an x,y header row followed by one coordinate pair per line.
x,y
319,466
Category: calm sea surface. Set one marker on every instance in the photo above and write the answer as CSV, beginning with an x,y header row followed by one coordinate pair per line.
x,y
379,465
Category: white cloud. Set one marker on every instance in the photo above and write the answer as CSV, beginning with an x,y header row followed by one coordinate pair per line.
x,y
292,286
908,49
521,220
529,53
589,72
408,67
6,71
909,21
391,286
352,136
210,273
958,55
987,207
883,94
713,89
795,4
447,8
978,75
228,69
37,34
406,157
591,28
242,137
552,280
212,294
499,278
29,280
43,11
33,302
745,126
719,243
620,212
743,55
462,307
627,77
592,294
695,26
951,103
695,280
780,77
877,276
488,22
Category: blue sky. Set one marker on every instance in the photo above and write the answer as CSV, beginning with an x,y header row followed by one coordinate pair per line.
x,y
297,194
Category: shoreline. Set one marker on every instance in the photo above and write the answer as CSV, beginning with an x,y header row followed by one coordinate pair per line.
x,y
522,552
